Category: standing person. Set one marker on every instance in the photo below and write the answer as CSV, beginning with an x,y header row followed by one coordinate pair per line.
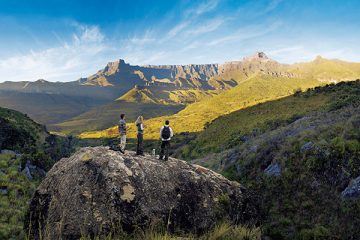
x,y
140,135
122,133
166,133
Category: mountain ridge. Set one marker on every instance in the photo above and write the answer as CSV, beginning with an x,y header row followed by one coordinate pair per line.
x,y
170,85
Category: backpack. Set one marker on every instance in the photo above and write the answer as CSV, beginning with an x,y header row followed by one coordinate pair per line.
x,y
165,134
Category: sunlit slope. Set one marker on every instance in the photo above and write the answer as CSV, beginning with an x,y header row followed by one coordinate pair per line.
x,y
231,129
107,115
166,96
327,70
257,89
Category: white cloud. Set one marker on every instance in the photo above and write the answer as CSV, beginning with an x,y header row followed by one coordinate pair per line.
x,y
176,30
190,25
301,53
209,26
66,62
147,37
246,33
204,7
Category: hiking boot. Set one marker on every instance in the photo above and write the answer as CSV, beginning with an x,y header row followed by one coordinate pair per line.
x,y
122,151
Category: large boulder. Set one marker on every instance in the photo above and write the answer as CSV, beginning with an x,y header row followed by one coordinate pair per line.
x,y
98,189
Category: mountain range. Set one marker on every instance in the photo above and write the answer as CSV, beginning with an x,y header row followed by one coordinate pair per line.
x,y
198,92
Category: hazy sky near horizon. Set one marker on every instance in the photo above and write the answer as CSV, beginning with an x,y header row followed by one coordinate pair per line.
x,y
65,40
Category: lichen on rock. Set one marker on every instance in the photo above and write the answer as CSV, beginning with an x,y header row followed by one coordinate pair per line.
x,y
96,188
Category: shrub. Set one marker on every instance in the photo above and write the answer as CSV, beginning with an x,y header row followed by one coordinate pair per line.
x,y
316,233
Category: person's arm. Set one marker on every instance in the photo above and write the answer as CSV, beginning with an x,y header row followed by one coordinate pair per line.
x,y
161,129
171,133
142,126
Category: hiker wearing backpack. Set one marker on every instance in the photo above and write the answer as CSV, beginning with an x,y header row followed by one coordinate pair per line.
x,y
166,133
122,133
140,135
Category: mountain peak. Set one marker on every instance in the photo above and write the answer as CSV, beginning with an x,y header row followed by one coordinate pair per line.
x,y
257,56
41,81
318,58
113,67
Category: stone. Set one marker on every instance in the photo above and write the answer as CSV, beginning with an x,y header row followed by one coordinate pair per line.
x,y
273,169
6,151
307,147
32,171
97,188
352,190
3,190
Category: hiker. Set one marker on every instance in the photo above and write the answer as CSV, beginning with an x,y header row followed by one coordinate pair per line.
x,y
166,133
140,135
122,133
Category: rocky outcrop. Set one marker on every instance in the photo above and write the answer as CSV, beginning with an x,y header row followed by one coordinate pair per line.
x,y
273,170
352,190
32,171
97,189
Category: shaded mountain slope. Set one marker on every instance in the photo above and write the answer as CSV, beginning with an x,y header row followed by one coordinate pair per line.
x,y
19,132
27,151
48,108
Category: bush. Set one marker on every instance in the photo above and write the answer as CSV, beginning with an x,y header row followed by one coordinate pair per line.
x,y
316,233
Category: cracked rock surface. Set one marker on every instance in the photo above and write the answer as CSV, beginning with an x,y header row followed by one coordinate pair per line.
x,y
97,189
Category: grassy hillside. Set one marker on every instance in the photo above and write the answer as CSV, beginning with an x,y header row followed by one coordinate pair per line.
x,y
257,89
36,150
166,95
233,128
327,70
17,131
16,191
107,115
298,165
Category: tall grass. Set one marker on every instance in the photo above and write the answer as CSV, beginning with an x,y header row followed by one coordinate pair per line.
x,y
223,231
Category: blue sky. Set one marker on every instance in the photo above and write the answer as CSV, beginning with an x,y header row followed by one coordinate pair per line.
x,y
65,40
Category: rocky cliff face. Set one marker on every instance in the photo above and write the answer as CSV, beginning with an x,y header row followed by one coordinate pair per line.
x,y
97,189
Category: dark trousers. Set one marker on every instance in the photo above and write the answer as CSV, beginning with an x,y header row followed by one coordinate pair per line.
x,y
165,145
140,146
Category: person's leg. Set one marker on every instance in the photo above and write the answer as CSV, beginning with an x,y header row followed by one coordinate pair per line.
x,y
139,147
167,146
141,144
138,144
122,142
162,150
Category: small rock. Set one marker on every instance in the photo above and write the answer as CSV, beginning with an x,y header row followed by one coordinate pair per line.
x,y
32,170
6,151
253,148
352,190
273,169
3,190
307,147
